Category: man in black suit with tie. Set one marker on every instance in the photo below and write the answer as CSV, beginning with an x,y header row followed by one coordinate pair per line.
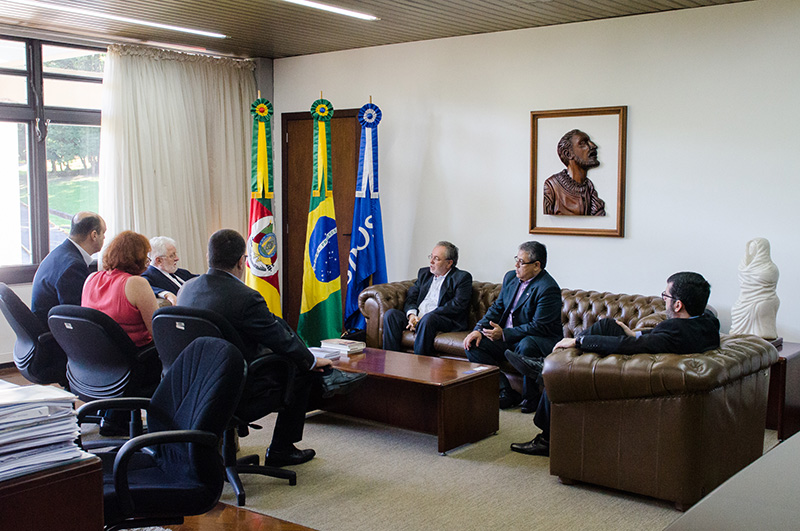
x,y
60,277
689,328
437,302
525,318
222,290
163,273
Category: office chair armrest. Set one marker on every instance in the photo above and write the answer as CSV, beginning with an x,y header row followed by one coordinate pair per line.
x,y
146,354
95,406
130,448
46,339
277,363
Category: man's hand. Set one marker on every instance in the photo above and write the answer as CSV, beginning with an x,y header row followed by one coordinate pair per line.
x,y
322,363
412,322
472,337
495,333
628,331
567,342
173,300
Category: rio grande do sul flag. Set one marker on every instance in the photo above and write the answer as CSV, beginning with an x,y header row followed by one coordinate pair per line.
x,y
321,301
262,244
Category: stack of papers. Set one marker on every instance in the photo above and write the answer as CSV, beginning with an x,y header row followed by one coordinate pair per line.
x,y
344,346
38,429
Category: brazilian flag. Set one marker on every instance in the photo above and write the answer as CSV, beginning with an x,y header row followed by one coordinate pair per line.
x,y
321,301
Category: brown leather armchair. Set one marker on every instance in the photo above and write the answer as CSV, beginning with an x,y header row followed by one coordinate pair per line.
x,y
669,426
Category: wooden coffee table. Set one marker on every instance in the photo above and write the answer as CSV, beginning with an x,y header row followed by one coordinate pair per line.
x,y
455,400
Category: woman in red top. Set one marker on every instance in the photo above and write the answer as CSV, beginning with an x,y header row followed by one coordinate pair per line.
x,y
119,291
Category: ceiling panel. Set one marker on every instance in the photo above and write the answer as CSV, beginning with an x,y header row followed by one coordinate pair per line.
x,y
274,29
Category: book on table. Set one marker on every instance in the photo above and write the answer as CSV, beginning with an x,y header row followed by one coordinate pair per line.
x,y
345,346
328,353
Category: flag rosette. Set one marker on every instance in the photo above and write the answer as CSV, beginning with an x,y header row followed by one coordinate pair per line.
x,y
322,110
369,115
261,109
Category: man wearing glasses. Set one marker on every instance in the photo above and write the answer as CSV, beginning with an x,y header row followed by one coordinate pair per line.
x,y
525,319
437,302
163,273
689,328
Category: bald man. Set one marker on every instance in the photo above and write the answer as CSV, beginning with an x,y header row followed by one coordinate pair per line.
x,y
60,277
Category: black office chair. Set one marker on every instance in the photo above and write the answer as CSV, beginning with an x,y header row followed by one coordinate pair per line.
x,y
180,472
175,326
102,361
37,355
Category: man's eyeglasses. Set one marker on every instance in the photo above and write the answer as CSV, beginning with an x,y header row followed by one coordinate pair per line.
x,y
435,258
519,261
665,295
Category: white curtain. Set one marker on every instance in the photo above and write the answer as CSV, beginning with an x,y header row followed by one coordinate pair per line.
x,y
175,146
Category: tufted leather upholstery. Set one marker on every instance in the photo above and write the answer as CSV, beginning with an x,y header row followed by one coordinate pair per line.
x,y
664,425
581,309
669,426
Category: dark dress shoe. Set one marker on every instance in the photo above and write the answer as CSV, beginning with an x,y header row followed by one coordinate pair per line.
x,y
292,456
509,398
528,406
531,367
538,446
336,382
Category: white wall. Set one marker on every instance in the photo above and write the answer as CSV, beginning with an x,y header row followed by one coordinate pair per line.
x,y
712,163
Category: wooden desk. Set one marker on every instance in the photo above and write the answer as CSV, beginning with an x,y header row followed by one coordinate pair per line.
x,y
783,404
761,496
64,498
455,400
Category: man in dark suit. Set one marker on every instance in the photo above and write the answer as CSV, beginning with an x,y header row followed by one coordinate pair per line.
x,y
525,318
222,290
163,273
437,302
60,277
689,328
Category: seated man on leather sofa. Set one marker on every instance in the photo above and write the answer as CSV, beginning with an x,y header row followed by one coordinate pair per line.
x,y
689,328
437,302
525,318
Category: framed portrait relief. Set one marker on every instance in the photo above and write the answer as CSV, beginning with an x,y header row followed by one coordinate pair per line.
x,y
578,171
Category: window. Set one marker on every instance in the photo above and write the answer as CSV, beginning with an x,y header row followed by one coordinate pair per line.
x,y
49,147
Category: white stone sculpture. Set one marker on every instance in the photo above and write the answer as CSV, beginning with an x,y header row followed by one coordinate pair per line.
x,y
756,309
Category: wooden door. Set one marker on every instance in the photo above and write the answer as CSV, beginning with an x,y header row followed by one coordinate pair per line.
x,y
297,163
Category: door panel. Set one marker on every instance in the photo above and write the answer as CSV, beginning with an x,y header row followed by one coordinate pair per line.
x,y
297,157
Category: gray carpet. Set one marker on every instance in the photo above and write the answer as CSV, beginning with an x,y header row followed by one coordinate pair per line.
x,y
373,477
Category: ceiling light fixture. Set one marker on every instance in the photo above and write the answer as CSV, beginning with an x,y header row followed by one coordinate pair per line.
x,y
98,14
333,9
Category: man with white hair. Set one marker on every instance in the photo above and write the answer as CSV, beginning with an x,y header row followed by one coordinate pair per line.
x,y
163,273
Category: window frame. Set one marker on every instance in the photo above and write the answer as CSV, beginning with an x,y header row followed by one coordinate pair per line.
x,y
37,164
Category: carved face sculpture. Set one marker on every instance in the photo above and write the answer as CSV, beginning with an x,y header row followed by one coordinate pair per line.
x,y
584,151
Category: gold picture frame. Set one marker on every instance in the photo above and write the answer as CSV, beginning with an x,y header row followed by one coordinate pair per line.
x,y
607,128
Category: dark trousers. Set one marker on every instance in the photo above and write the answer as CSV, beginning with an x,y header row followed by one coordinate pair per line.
x,y
263,396
604,327
494,353
395,321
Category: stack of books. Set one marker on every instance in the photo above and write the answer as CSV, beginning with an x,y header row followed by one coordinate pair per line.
x,y
344,346
38,429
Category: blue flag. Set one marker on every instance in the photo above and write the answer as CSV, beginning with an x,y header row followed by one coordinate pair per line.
x,y
367,259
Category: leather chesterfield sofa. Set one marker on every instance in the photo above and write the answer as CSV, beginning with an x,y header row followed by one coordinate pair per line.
x,y
669,426
580,309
